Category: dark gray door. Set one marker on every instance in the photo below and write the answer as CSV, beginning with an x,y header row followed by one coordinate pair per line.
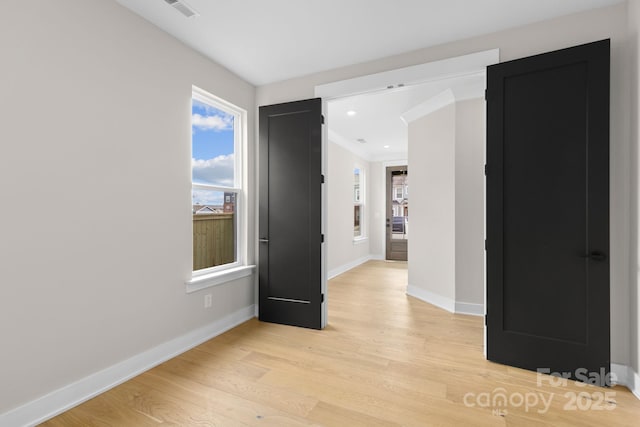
x,y
548,211
290,274
397,213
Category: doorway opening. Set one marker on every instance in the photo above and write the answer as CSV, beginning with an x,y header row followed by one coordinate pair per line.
x,y
397,213
421,87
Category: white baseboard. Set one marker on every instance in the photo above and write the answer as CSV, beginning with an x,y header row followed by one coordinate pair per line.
x,y
346,267
378,257
431,298
626,376
65,398
621,373
469,308
448,304
634,383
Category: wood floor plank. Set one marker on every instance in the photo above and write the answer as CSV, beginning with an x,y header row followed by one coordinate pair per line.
x,y
169,410
331,415
386,380
104,411
286,400
239,408
385,359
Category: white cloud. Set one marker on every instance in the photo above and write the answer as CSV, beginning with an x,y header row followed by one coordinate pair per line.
x,y
216,122
216,171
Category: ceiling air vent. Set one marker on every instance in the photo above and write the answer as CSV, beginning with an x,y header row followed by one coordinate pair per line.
x,y
182,7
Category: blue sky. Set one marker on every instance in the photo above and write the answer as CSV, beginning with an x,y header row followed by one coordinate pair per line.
x,y
212,132
212,151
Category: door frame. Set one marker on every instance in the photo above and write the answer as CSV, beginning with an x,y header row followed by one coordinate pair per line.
x,y
459,66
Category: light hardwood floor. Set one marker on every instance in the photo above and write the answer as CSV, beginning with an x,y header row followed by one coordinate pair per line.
x,y
385,359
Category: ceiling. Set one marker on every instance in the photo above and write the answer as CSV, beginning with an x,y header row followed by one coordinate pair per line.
x,y
377,119
265,41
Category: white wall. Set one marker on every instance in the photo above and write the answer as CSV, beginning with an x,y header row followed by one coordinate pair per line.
x,y
432,244
446,249
469,213
515,43
95,183
377,206
634,88
343,252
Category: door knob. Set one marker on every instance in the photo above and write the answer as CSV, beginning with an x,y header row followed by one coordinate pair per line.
x,y
263,240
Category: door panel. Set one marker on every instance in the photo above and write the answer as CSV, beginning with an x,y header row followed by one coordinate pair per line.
x,y
290,213
548,210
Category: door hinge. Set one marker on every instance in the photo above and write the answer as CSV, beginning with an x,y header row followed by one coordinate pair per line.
x,y
322,238
486,316
485,95
486,170
485,244
321,298
322,118
321,179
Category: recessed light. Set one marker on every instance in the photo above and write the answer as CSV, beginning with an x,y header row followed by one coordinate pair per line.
x,y
351,113
386,146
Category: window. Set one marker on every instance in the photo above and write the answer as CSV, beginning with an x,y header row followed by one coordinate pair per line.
x,y
399,195
358,203
216,183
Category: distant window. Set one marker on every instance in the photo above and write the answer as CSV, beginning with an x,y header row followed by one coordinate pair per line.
x,y
399,195
216,167
358,203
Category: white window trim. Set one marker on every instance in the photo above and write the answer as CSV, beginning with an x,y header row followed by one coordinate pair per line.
x,y
217,278
362,190
220,274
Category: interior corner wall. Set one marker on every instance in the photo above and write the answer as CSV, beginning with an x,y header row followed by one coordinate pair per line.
x,y
469,202
343,252
610,22
95,177
377,210
432,251
634,88
446,252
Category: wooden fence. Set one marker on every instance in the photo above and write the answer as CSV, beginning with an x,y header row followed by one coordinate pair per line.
x,y
213,240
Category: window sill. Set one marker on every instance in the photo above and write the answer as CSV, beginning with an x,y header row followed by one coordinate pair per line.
x,y
360,240
198,283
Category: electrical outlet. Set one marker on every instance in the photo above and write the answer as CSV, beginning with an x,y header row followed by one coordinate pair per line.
x,y
207,301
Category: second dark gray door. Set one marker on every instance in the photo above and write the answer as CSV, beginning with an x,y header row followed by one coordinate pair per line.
x,y
548,212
